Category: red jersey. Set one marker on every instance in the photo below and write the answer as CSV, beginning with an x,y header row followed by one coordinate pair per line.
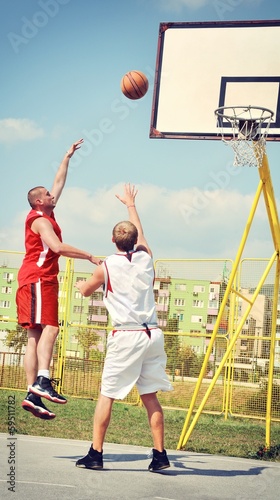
x,y
40,262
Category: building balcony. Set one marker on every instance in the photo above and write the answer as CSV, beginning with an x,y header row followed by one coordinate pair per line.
x,y
96,303
212,311
100,318
162,307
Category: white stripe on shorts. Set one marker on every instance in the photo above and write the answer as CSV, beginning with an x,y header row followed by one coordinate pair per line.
x,y
38,311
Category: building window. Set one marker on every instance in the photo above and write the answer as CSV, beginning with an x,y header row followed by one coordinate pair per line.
x,y
5,304
180,286
196,349
8,276
97,296
77,295
97,310
213,304
6,289
163,286
162,300
4,319
180,317
198,289
196,319
198,303
78,309
179,302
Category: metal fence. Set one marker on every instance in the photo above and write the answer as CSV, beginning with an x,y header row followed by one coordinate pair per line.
x,y
189,295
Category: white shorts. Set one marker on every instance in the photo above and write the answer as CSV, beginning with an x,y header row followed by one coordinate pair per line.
x,y
134,359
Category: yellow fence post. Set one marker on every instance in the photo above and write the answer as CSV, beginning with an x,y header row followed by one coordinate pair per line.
x,y
64,307
271,359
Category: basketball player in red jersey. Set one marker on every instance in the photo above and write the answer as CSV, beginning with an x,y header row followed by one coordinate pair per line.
x,y
37,295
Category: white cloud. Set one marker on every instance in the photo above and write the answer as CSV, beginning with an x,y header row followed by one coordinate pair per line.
x,y
19,129
187,223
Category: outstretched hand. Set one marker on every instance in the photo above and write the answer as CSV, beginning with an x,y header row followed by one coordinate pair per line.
x,y
74,147
95,260
129,195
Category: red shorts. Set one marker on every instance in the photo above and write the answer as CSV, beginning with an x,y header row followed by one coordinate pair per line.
x,y
37,304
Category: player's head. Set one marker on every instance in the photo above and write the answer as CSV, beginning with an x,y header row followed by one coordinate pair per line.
x,y
125,236
40,196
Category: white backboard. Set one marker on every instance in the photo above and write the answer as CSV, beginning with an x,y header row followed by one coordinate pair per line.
x,y
202,66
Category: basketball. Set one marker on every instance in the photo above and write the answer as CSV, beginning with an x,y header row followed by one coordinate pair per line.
x,y
134,84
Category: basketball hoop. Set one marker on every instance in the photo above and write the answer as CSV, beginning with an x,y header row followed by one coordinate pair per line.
x,y
245,129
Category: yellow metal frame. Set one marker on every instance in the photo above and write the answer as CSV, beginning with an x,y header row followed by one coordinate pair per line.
x,y
64,306
265,187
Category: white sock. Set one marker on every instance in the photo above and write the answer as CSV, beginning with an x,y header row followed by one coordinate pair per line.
x,y
44,373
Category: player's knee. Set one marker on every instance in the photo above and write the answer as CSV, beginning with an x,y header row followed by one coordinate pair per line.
x,y
51,331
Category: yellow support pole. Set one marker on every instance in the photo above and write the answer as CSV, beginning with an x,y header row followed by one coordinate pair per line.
x,y
229,349
232,327
272,214
223,305
64,304
271,359
270,202
266,187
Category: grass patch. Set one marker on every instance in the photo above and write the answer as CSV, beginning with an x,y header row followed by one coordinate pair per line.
x,y
212,434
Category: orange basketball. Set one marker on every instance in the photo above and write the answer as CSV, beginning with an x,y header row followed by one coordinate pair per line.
x,y
134,84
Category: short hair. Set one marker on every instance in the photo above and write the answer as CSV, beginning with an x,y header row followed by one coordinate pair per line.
x,y
125,235
33,194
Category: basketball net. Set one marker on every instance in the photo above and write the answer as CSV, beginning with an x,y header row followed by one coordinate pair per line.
x,y
245,130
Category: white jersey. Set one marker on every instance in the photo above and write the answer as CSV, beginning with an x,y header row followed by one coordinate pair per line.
x,y
128,289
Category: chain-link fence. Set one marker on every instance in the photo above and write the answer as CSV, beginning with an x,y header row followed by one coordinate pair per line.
x,y
193,314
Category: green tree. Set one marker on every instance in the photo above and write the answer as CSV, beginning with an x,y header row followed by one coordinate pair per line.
x,y
88,339
196,365
171,345
186,356
16,339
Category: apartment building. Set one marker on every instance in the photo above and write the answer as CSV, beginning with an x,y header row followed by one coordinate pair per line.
x,y
188,306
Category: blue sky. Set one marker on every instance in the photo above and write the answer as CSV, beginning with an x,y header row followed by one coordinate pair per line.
x,y
62,62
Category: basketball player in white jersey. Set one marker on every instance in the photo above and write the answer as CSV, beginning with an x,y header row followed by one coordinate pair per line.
x,y
135,346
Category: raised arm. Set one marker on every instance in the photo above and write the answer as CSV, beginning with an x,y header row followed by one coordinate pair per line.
x,y
128,199
61,174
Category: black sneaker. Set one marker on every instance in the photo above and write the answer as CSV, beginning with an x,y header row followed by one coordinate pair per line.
x,y
159,462
93,460
34,404
43,388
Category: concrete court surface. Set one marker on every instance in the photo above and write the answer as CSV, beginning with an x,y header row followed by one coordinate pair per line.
x,y
45,469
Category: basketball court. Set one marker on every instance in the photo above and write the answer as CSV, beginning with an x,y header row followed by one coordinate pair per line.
x,y
214,81
45,468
